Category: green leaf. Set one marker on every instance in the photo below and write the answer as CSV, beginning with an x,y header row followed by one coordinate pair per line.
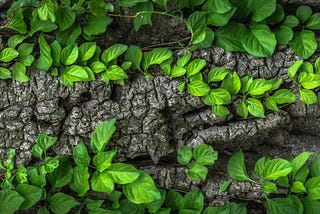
x,y
96,24
261,9
221,6
309,80
32,195
37,151
19,72
259,87
232,83
315,167
255,107
98,67
156,56
310,206
236,167
114,72
303,13
313,188
8,54
134,55
314,22
62,175
302,174
284,35
61,203
45,60
80,180
15,40
245,83
198,88
155,206
283,96
80,154
69,36
122,173
126,206
242,109
277,16
230,208
98,7
282,205
145,18
189,3
217,19
184,155
220,110
49,166
5,73
101,182
115,197
208,40
225,185
10,201
45,26
308,96
181,62
271,104
69,54
56,52
18,24
304,44
293,69
298,162
259,41
273,169
46,11
204,154
102,135
113,52
87,50
177,71
198,171
196,20
65,17
142,190
290,21
269,188
195,66
162,3
174,200
298,187
218,74
181,87
198,36
103,160
194,200
74,73
217,96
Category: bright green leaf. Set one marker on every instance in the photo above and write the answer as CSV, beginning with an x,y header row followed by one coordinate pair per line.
x,y
122,173
269,187
308,96
8,54
45,60
204,154
19,72
198,172
156,56
236,167
217,74
113,52
101,182
80,154
313,188
102,135
232,83
198,88
80,180
255,107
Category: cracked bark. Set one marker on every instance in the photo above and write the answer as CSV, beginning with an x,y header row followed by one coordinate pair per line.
x,y
153,119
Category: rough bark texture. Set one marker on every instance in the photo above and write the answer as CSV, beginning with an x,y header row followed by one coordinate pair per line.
x,y
153,119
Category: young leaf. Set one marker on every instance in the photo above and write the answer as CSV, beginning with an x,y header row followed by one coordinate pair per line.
x,y
5,73
304,44
32,195
113,52
103,160
261,9
181,62
242,109
19,72
65,17
255,107
293,69
101,182
102,135
313,188
198,172
80,180
217,74
298,162
80,154
283,96
309,80
74,73
155,206
284,35
303,13
220,111
142,190
315,167
156,56
45,60
18,24
314,22
195,66
114,72
45,142
269,188
46,11
177,71
225,185
232,83
10,201
15,40
208,40
198,88
62,175
87,50
259,87
184,155
122,173
217,96
271,104
134,55
98,67
259,41
308,96
193,200
236,167
198,36
8,54
277,16
181,87
69,54
61,203
291,21
298,187
204,154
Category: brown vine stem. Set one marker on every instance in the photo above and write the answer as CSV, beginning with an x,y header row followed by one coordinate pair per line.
x,y
166,44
